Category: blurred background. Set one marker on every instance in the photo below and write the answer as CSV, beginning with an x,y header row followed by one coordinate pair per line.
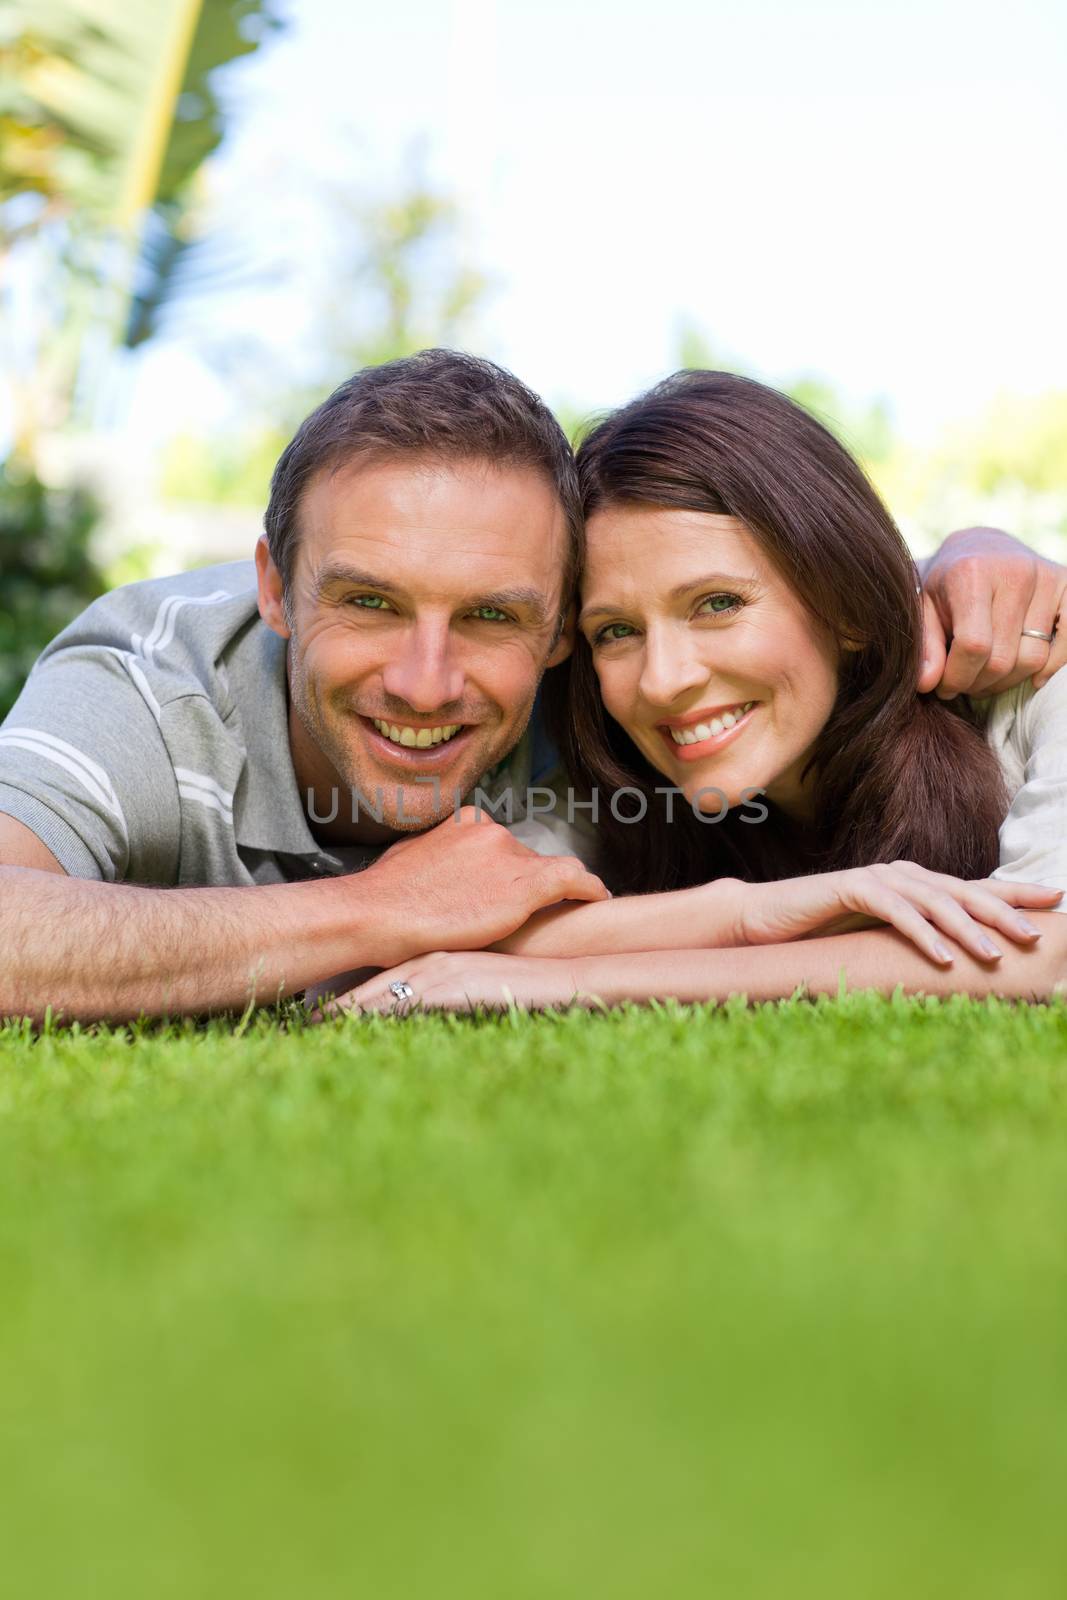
x,y
213,210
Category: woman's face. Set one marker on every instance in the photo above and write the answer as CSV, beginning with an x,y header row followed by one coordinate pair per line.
x,y
705,656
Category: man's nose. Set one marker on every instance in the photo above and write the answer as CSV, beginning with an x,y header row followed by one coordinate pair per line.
x,y
669,669
424,670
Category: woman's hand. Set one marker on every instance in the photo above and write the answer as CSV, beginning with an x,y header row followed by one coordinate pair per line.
x,y
920,904
464,980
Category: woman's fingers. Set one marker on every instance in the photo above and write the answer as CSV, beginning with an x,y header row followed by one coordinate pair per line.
x,y
967,911
900,912
1017,893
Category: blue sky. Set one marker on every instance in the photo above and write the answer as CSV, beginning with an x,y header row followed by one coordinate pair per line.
x,y
872,192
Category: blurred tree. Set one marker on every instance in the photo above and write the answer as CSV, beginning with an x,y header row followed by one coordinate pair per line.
x,y
398,280
107,113
393,280
48,572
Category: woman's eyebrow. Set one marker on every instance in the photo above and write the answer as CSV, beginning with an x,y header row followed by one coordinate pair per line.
x,y
708,581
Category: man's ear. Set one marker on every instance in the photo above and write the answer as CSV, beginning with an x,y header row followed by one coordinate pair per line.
x,y
565,643
271,594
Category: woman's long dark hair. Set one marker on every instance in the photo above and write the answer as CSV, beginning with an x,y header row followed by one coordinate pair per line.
x,y
897,775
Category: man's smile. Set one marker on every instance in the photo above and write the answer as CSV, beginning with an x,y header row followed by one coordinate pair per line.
x,y
418,737
417,747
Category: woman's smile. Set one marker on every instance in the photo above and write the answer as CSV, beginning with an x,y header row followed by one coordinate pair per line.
x,y
703,733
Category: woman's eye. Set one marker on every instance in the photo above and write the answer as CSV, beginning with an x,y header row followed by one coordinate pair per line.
x,y
489,614
720,605
613,631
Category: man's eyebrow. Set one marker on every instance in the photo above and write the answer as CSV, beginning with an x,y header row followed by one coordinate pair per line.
x,y
500,600
532,599
341,572
680,590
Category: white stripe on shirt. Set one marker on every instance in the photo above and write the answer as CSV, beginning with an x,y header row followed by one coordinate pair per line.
x,y
162,631
93,779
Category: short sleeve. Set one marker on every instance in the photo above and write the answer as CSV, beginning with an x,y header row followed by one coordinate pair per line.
x,y
83,764
1033,836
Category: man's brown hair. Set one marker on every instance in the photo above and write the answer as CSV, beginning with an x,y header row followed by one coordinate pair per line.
x,y
439,404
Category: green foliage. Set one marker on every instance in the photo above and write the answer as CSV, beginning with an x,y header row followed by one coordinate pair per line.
x,y
46,568
227,471
107,113
75,79
399,282
173,261
689,1302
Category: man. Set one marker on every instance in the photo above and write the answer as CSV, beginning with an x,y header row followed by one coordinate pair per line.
x,y
198,766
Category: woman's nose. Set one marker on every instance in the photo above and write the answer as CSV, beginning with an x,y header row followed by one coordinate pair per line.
x,y
669,670
423,669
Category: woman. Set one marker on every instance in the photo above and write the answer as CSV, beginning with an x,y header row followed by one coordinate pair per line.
x,y
743,689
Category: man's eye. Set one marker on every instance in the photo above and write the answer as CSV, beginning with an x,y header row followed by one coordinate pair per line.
x,y
489,614
720,605
370,602
613,631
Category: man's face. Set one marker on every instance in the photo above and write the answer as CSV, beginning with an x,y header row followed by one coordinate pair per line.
x,y
423,610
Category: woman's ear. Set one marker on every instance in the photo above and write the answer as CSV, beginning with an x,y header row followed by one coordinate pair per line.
x,y
565,639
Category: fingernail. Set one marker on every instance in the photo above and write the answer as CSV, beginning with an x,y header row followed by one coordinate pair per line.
x,y
942,951
988,947
1028,928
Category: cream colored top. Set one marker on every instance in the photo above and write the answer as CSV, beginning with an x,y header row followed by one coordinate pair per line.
x,y
1028,731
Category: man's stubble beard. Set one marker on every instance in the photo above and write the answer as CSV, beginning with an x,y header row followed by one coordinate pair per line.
x,y
409,818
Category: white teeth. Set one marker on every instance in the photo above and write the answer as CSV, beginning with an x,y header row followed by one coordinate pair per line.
x,y
417,738
708,730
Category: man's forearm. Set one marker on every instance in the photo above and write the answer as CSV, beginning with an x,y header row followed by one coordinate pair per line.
x,y
98,950
875,958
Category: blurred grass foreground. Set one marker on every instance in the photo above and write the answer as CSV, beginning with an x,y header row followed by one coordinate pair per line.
x,y
754,1303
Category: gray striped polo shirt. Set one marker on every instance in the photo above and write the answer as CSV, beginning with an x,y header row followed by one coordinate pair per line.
x,y
150,744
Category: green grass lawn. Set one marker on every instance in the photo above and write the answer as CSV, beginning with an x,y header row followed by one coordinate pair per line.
x,y
767,1302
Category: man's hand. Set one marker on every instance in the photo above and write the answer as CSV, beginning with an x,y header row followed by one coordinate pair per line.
x,y
465,884
981,590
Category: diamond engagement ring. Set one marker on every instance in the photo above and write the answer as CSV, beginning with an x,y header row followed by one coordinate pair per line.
x,y
401,992
1035,633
